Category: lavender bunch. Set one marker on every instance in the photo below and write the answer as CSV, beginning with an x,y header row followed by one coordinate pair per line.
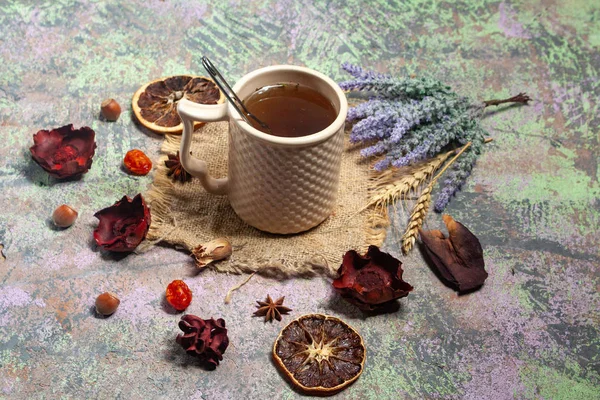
x,y
407,120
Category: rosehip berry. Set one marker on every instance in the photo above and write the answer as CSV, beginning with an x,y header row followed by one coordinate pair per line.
x,y
179,295
137,162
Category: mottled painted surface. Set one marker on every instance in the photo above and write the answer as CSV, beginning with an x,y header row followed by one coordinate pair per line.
x,y
534,200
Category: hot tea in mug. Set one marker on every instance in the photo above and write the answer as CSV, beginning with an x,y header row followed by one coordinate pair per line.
x,y
290,109
283,179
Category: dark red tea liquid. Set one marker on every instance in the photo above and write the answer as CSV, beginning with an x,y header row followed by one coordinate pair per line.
x,y
290,109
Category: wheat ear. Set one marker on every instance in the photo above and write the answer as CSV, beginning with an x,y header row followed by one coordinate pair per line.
x,y
396,183
419,211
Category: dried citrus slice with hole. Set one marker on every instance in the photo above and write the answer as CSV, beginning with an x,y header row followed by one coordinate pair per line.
x,y
319,354
155,103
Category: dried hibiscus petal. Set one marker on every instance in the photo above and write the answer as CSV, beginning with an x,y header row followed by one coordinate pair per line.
x,y
203,338
64,152
371,281
458,258
123,225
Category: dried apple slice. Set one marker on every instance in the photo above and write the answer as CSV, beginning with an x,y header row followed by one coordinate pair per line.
x,y
319,354
155,103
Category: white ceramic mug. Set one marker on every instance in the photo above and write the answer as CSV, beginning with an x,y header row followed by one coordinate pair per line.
x,y
276,184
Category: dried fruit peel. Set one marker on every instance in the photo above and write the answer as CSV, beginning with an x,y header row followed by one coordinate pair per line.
x,y
205,339
319,354
64,152
371,281
124,225
458,258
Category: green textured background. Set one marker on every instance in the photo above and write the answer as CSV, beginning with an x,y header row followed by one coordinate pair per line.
x,y
533,200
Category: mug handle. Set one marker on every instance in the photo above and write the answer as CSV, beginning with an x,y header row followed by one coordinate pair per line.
x,y
190,112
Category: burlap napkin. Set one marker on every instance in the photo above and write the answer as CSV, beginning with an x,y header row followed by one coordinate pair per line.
x,y
183,214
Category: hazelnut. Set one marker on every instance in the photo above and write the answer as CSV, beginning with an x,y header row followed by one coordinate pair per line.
x,y
107,303
215,250
110,109
64,216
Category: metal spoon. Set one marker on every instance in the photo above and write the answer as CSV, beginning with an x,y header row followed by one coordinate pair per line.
x,y
230,94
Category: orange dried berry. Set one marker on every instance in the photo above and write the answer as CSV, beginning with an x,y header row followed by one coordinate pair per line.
x,y
179,295
107,303
137,162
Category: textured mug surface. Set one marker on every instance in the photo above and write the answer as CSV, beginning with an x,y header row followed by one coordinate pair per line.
x,y
277,184
283,190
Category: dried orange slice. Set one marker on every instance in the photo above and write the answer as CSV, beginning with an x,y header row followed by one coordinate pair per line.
x,y
319,354
155,103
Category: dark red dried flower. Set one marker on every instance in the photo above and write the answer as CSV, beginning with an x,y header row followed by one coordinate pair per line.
x,y
64,152
371,281
123,225
203,338
458,258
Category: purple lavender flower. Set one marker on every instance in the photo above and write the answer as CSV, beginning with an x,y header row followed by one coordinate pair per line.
x,y
457,176
402,126
359,73
383,164
372,127
374,150
408,120
366,109
387,86
419,153
443,199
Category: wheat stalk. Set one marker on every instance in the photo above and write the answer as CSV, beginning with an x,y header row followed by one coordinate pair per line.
x,y
396,183
417,217
421,207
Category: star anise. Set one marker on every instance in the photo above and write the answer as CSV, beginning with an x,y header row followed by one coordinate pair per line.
x,y
271,309
176,171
